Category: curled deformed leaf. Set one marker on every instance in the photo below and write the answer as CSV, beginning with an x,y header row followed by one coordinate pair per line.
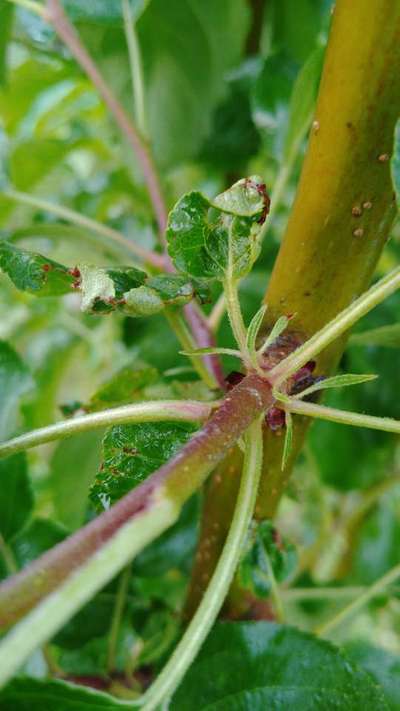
x,y
96,286
246,198
102,289
142,301
220,237
33,272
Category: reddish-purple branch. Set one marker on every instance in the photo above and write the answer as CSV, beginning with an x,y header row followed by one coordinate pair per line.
x,y
57,17
176,480
205,339
59,20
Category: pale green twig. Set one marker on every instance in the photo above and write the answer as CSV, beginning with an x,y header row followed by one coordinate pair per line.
x,y
213,599
58,607
120,600
157,411
65,213
135,62
310,409
335,328
360,601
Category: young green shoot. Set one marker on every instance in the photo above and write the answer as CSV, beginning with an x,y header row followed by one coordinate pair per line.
x,y
378,587
214,597
278,328
335,328
287,446
157,411
336,381
344,417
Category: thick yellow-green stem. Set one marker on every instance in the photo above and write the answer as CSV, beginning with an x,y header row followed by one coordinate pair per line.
x,y
344,204
341,217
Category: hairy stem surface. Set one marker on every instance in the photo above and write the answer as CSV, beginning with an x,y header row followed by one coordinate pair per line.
x,y
176,481
158,411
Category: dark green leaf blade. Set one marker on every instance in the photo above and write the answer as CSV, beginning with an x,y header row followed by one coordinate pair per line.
x,y
15,381
124,386
131,453
34,273
37,537
384,666
6,21
257,666
16,495
45,695
186,235
395,163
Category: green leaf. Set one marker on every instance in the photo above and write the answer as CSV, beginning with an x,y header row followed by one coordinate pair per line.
x,y
175,548
378,541
102,289
6,22
287,446
265,543
185,69
296,33
302,101
68,484
245,198
48,695
388,336
35,158
338,381
395,163
126,385
254,327
256,666
92,621
175,290
15,381
383,666
159,292
270,102
34,273
143,301
207,242
131,453
16,496
53,352
233,138
36,538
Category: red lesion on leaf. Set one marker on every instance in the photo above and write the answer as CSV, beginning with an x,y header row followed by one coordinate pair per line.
x,y
262,190
75,272
47,267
